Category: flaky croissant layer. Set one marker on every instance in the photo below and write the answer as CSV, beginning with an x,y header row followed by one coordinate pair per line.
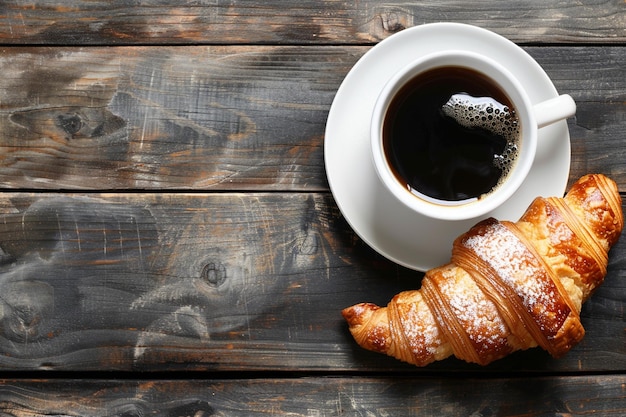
x,y
509,286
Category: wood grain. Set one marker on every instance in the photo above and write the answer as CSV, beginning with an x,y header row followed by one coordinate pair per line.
x,y
204,257
304,22
222,282
229,118
317,396
200,118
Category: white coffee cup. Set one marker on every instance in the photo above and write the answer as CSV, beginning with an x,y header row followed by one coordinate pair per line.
x,y
531,117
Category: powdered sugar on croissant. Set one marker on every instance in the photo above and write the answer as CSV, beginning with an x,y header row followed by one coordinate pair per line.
x,y
509,286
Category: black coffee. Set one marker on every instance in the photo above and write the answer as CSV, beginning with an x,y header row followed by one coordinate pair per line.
x,y
451,134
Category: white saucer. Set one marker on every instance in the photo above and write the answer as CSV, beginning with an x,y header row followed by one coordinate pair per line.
x,y
383,223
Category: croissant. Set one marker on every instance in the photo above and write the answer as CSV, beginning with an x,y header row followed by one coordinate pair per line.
x,y
509,286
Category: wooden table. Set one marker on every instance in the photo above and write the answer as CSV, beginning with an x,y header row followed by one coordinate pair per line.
x,y
169,243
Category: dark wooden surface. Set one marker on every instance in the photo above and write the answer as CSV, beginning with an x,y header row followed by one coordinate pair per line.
x,y
169,244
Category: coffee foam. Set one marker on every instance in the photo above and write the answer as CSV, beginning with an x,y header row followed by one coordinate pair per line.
x,y
489,114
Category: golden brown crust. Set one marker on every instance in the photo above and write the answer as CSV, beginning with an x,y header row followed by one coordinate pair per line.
x,y
421,338
567,253
364,325
510,286
596,201
507,268
475,329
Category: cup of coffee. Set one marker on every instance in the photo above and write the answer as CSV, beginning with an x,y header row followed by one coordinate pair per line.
x,y
454,134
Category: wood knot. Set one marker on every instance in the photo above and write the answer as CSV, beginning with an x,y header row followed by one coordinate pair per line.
x,y
387,21
90,123
214,274
307,244
71,124
392,22
28,305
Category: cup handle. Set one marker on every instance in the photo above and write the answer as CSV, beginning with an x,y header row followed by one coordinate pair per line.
x,y
553,110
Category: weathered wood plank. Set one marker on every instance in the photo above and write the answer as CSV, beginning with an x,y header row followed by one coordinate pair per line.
x,y
229,118
202,118
307,21
218,282
571,396
598,84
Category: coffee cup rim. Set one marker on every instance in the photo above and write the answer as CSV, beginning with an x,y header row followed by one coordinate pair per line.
x,y
438,209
